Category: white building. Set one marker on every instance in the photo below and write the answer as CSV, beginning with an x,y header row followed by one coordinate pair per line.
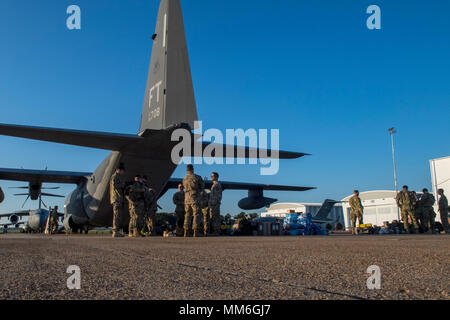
x,y
440,178
379,206
279,210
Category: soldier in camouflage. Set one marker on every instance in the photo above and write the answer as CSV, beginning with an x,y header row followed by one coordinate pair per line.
x,y
151,206
178,200
215,199
406,202
193,184
443,210
54,220
205,211
427,202
356,211
117,194
418,211
136,199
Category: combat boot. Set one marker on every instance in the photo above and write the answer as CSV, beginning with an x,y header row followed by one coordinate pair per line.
x,y
117,234
136,234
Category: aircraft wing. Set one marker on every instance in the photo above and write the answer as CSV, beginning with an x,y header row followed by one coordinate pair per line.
x,y
36,176
21,213
11,224
173,184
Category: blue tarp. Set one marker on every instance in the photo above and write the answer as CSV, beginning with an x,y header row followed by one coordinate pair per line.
x,y
302,225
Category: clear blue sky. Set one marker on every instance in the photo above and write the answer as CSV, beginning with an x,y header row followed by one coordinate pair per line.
x,y
309,68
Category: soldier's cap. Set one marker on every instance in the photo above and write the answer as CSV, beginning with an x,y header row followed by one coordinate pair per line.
x,y
215,174
121,167
137,176
190,167
425,190
405,187
441,190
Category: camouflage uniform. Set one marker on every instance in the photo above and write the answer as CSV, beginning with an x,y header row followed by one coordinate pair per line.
x,y
406,202
215,198
136,197
117,192
418,211
428,215
356,211
178,200
205,211
151,207
193,184
54,221
443,210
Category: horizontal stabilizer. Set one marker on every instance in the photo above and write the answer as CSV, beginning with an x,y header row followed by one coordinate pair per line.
x,y
90,139
229,151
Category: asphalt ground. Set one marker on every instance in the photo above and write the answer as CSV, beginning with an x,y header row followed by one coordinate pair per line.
x,y
286,268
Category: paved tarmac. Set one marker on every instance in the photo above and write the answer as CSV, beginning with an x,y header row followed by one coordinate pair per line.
x,y
334,267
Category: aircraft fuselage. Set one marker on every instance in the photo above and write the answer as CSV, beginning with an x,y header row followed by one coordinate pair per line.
x,y
89,204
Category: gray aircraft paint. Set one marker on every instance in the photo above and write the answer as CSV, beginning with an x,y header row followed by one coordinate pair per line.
x,y
169,96
37,219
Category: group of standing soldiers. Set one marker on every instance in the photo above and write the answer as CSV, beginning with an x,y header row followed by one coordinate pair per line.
x,y
417,210
142,204
192,201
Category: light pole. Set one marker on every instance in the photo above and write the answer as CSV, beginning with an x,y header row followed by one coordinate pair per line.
x,y
392,131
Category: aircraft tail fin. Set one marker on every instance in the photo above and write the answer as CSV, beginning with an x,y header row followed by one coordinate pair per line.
x,y
169,96
325,209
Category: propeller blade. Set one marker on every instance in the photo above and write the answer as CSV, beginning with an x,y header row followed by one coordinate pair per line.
x,y
22,194
51,195
42,201
18,188
26,201
50,188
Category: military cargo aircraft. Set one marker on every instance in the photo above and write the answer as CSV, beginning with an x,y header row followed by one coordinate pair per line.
x,y
169,104
36,222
